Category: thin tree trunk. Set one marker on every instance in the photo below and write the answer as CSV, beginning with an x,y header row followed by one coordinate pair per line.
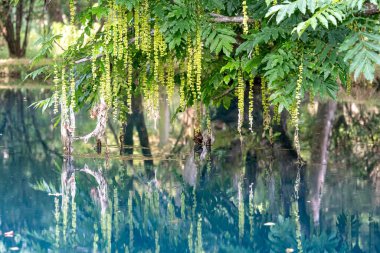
x,y
13,26
54,11
319,157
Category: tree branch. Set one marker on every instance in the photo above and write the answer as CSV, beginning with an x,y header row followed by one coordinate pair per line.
x,y
371,9
217,18
89,58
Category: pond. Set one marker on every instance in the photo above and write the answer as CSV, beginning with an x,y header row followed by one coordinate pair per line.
x,y
243,195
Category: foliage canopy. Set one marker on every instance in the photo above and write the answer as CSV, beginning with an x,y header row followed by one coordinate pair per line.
x,y
210,48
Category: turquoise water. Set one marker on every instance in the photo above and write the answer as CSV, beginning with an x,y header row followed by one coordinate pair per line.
x,y
243,196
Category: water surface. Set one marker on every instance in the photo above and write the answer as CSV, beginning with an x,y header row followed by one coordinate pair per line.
x,y
245,195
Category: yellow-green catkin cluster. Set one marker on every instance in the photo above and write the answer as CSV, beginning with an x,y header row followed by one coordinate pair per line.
x,y
182,95
107,84
129,82
156,51
276,115
198,62
63,92
257,28
72,4
311,97
57,217
240,95
145,28
94,55
265,104
251,103
56,91
115,100
275,2
72,90
349,84
295,111
245,17
136,26
190,69
170,79
241,210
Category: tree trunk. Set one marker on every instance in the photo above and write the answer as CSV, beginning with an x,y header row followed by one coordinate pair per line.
x,y
137,120
164,121
319,155
54,11
13,24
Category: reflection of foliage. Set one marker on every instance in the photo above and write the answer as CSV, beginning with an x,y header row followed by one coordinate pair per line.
x,y
44,187
323,243
282,235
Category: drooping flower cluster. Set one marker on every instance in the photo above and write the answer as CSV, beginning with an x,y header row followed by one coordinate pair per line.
x,y
56,92
251,102
240,95
245,17
295,111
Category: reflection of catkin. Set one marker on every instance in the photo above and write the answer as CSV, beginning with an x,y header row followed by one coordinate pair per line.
x,y
251,212
190,239
199,246
95,239
56,216
157,242
241,210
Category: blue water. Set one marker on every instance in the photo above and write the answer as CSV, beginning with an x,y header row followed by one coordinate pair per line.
x,y
243,196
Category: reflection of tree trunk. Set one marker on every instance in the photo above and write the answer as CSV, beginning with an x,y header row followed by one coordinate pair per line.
x,y
137,119
251,167
319,155
101,194
22,119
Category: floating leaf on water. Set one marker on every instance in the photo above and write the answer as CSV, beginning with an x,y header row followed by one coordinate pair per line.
x,y
9,234
14,248
289,250
269,224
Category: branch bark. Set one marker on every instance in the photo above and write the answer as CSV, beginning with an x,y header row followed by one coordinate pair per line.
x,y
217,18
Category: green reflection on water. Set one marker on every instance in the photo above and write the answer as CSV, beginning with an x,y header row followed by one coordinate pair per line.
x,y
226,202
